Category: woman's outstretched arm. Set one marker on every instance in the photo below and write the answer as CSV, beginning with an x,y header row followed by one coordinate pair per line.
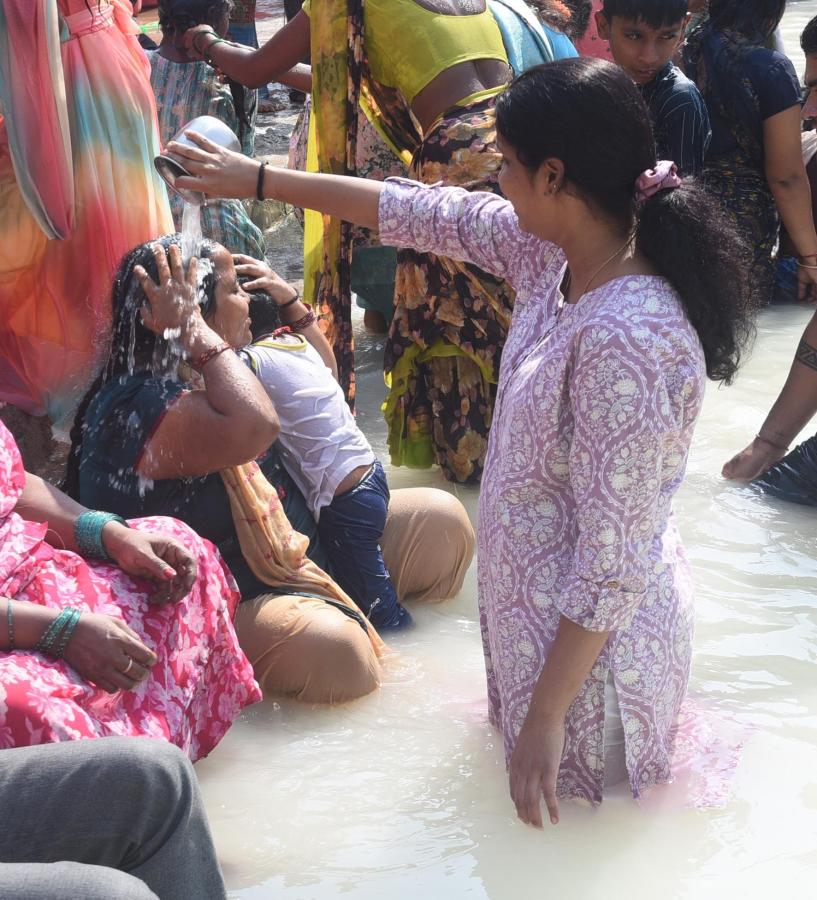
x,y
254,68
222,173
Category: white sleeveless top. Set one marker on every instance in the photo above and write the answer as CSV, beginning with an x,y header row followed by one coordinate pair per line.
x,y
320,442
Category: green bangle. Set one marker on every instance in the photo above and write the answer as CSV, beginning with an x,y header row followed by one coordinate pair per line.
x,y
71,624
46,642
88,532
202,34
206,52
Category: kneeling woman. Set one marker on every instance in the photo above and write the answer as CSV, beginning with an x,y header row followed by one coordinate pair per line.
x,y
79,617
143,440
628,295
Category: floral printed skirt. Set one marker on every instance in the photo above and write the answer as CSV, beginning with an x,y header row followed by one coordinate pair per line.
x,y
198,686
744,191
450,320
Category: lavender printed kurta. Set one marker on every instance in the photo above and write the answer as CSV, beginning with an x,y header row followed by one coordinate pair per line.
x,y
595,411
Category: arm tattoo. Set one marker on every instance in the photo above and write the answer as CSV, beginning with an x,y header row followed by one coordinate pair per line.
x,y
807,355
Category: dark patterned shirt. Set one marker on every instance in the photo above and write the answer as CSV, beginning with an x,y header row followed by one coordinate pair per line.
x,y
679,119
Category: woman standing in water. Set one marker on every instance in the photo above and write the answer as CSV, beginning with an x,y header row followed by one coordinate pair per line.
x,y
755,161
428,73
77,187
584,590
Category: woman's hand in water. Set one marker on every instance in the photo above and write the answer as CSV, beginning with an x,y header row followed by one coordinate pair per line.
x,y
102,648
158,558
172,304
216,172
264,279
752,461
534,769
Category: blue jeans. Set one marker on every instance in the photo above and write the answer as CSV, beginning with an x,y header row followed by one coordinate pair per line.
x,y
350,529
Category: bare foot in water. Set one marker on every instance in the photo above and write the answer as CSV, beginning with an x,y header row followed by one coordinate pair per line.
x,y
754,460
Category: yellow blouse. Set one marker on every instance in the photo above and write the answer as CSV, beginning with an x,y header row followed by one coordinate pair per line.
x,y
407,45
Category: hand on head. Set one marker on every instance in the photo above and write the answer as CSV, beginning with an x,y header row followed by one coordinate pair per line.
x,y
264,278
172,304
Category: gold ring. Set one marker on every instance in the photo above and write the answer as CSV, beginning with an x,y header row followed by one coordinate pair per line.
x,y
128,666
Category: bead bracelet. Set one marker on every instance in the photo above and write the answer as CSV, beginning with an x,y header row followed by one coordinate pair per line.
x,y
88,532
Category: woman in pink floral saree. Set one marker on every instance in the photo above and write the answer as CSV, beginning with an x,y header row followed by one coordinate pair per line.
x,y
161,663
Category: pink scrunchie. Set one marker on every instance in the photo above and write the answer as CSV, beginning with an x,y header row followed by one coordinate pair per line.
x,y
664,177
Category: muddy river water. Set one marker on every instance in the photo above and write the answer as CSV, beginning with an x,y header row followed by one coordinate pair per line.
x,y
404,794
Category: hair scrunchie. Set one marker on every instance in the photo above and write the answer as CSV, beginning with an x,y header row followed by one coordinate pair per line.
x,y
664,177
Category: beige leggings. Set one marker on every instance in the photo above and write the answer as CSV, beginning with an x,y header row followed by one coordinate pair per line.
x,y
304,648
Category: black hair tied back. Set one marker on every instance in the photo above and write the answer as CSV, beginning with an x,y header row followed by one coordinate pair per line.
x,y
688,238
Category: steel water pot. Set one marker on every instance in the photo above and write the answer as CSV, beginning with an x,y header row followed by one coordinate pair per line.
x,y
170,168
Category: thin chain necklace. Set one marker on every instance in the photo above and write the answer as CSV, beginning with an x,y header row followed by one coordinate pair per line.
x,y
593,277
555,320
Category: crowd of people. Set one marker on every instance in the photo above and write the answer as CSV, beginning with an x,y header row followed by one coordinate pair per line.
x,y
554,303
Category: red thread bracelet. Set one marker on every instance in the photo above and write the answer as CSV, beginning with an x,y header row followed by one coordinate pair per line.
x,y
200,362
305,321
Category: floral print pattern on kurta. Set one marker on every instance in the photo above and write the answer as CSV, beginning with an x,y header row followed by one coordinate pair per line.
x,y
199,684
595,411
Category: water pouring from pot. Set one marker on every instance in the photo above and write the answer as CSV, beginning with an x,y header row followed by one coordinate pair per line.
x,y
171,169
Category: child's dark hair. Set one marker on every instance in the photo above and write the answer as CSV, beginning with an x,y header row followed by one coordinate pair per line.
x,y
265,316
176,16
655,13
684,234
808,39
133,347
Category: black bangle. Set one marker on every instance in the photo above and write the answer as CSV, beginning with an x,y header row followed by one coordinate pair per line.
x,y
259,188
295,299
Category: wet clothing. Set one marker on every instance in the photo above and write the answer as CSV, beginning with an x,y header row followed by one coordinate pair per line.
x,y
679,119
794,478
528,40
597,405
299,645
321,445
319,441
743,83
451,317
201,680
445,340
351,527
119,420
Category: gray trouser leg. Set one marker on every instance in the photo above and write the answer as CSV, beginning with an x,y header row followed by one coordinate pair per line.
x,y
131,804
69,881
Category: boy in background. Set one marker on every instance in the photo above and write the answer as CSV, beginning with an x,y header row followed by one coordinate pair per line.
x,y
643,36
